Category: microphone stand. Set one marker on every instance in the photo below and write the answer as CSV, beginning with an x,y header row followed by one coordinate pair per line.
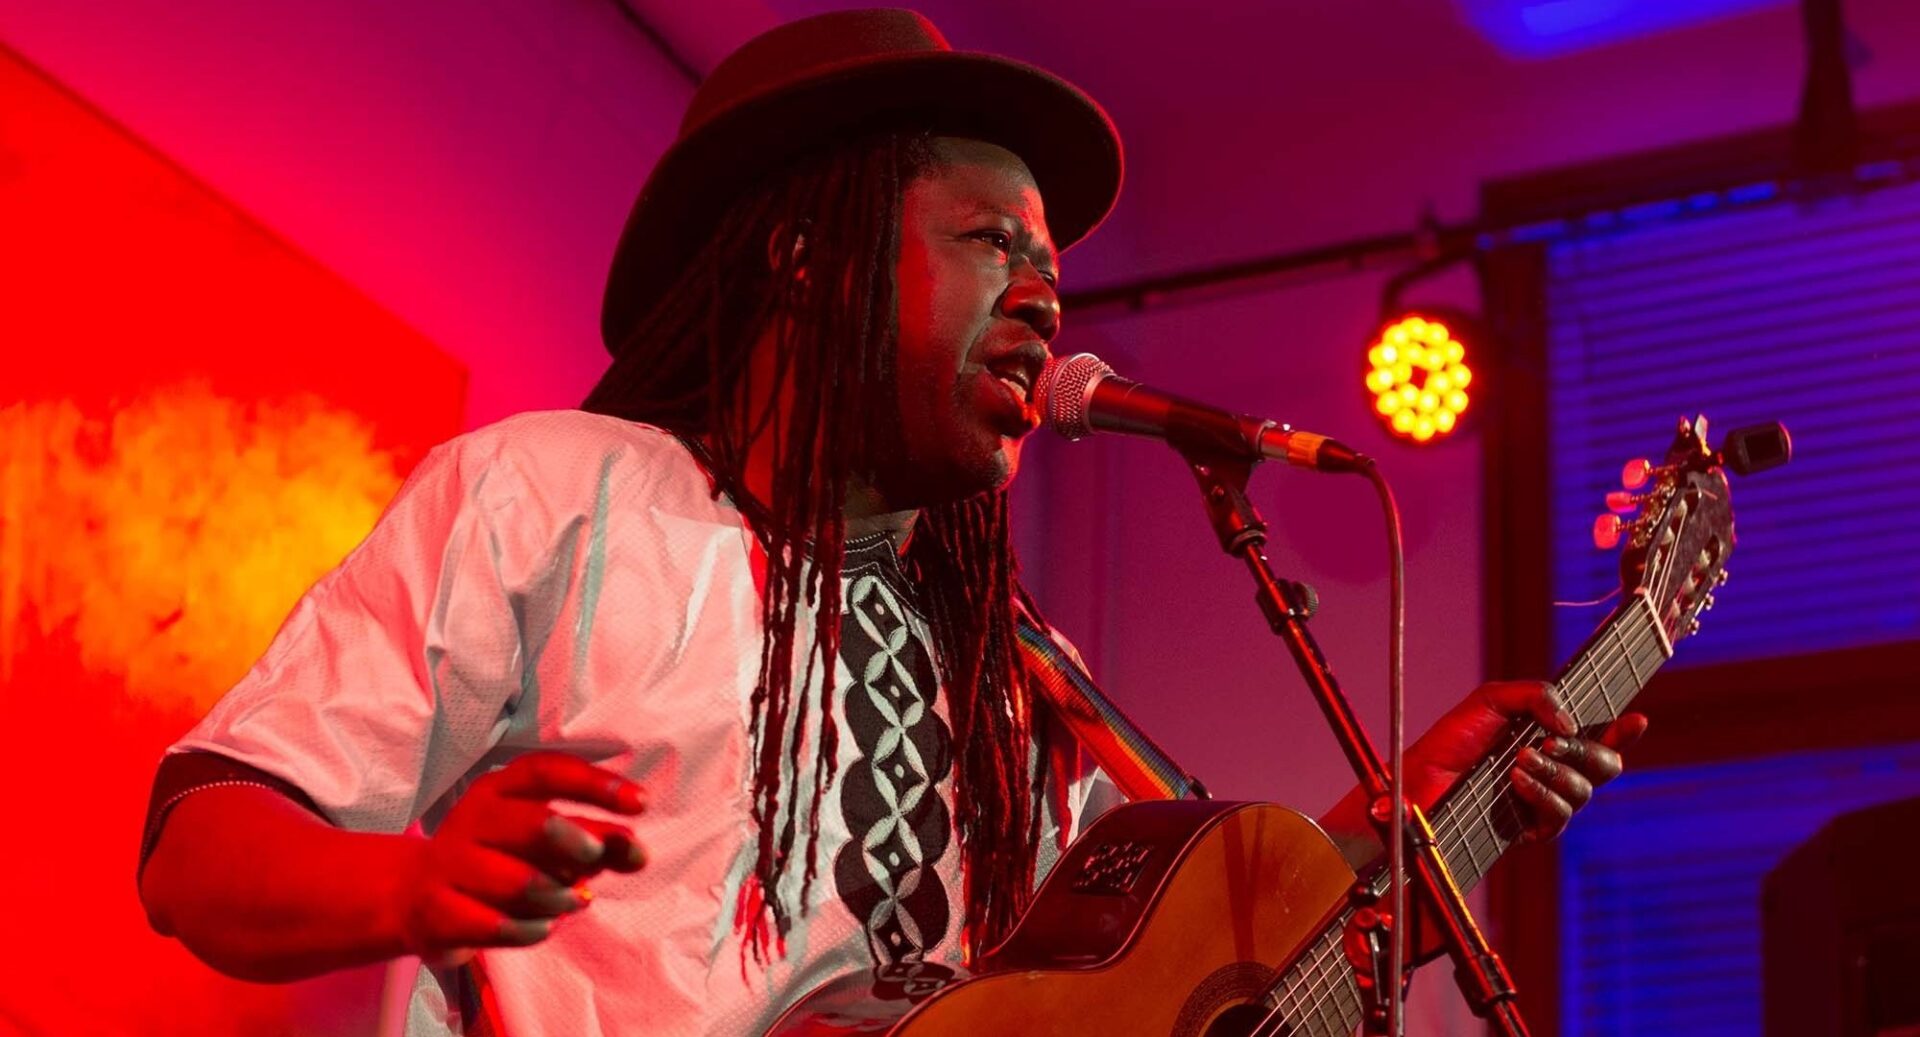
x,y
1222,473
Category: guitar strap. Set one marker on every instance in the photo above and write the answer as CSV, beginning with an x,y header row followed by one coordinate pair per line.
x,y
1140,768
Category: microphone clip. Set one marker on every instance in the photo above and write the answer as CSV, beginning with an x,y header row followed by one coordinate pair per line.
x,y
1223,491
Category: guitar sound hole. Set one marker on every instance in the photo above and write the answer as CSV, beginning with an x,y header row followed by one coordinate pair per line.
x,y
1240,1020
1227,1003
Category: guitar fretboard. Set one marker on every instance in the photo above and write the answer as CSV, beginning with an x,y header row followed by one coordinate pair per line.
x,y
1480,817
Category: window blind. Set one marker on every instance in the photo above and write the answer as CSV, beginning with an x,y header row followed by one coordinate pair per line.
x,y
1805,313
1660,885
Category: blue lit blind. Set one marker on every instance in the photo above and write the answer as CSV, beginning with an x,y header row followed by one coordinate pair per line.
x,y
1809,314
1660,885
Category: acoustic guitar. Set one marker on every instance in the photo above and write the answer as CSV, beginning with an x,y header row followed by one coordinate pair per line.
x,y
1195,918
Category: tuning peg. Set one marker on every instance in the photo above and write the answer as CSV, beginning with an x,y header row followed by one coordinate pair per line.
x,y
1606,532
1706,603
1693,626
1635,474
1622,501
1720,578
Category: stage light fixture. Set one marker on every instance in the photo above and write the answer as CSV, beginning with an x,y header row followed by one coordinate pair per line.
x,y
1418,374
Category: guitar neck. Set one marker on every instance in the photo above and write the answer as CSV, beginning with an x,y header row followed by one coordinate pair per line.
x,y
1480,817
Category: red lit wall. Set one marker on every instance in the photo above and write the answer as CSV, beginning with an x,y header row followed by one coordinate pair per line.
x,y
196,420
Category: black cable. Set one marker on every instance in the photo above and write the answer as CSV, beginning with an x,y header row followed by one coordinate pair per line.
x,y
1397,716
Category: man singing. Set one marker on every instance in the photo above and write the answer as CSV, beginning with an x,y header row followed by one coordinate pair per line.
x,y
752,608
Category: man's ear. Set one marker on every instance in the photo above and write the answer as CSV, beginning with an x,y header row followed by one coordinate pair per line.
x,y
787,248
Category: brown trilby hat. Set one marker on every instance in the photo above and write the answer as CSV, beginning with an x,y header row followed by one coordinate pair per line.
x,y
794,86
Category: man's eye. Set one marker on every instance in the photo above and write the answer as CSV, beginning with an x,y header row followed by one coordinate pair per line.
x,y
999,239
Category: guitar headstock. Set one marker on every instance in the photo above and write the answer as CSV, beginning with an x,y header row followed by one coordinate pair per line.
x,y
1680,528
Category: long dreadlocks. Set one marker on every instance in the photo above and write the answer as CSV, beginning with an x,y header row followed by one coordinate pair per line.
x,y
774,263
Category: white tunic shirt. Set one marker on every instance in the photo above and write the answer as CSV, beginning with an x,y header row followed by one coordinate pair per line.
x,y
570,581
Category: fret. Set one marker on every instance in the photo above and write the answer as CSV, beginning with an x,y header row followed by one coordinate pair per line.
x,y
1575,684
1483,795
1613,635
1294,988
1289,994
1343,1003
1451,846
1312,1001
1338,988
1493,837
1350,1013
1299,982
1321,1002
1495,840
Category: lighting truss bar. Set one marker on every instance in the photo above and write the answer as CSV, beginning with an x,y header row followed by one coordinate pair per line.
x,y
1462,240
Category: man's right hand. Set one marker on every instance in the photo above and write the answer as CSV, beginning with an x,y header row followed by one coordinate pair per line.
x,y
504,863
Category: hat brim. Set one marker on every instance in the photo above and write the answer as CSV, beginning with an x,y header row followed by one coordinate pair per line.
x,y
1063,135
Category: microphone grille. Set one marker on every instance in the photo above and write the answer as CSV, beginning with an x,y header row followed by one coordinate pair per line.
x,y
1064,390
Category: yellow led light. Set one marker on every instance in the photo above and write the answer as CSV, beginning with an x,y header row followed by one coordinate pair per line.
x,y
1416,373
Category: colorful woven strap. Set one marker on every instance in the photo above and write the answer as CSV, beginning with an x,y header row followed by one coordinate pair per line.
x,y
1140,768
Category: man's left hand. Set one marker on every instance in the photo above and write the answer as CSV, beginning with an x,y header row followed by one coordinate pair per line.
x,y
1553,783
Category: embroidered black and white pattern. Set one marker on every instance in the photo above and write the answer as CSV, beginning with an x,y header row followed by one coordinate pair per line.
x,y
897,823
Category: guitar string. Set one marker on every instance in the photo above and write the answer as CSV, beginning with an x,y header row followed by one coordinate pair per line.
x,y
1299,999
1485,790
1326,954
1484,780
1323,963
1310,987
1492,777
1489,782
1326,967
1487,787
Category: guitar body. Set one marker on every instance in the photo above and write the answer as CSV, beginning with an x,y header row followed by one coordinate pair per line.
x,y
1125,936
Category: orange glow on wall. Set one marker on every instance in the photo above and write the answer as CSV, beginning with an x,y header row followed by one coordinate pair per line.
x,y
196,421
238,509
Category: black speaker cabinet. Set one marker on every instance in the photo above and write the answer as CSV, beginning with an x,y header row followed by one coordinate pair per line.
x,y
1840,929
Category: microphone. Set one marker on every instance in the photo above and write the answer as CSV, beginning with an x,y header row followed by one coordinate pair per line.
x,y
1081,394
